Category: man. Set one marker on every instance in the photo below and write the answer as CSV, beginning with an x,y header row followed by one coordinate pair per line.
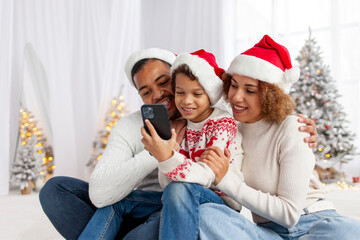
x,y
125,165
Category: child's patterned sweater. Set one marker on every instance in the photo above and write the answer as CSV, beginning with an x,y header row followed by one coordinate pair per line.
x,y
220,130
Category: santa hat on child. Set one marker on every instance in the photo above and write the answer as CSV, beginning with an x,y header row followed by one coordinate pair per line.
x,y
267,61
156,53
203,65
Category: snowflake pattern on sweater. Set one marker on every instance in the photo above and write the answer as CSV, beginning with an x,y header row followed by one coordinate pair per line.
x,y
219,130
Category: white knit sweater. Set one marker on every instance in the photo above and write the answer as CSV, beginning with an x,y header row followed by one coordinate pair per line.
x,y
278,171
220,130
124,165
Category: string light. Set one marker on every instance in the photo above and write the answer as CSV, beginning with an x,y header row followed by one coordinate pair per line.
x,y
113,116
28,130
342,185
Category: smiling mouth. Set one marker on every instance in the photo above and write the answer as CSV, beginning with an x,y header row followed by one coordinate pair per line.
x,y
239,109
187,110
166,102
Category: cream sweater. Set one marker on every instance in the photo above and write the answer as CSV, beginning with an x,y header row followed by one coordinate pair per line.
x,y
124,165
277,168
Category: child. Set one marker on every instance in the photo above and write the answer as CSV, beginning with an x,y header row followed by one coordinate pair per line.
x,y
197,86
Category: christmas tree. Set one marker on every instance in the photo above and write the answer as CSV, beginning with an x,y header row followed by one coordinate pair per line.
x,y
27,165
316,96
116,111
33,158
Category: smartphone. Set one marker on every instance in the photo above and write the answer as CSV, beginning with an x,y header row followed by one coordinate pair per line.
x,y
158,115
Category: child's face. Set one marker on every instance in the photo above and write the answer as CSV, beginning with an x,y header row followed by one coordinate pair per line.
x,y
244,99
191,99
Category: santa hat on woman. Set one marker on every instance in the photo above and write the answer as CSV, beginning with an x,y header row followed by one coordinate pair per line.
x,y
155,53
203,65
267,61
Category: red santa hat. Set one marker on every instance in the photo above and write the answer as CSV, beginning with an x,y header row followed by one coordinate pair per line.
x,y
156,53
267,61
203,65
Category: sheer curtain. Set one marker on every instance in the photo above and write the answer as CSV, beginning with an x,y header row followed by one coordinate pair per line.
x,y
5,74
189,25
82,47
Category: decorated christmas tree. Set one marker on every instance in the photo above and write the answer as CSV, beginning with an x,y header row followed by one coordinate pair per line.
x,y
27,165
316,96
33,158
116,111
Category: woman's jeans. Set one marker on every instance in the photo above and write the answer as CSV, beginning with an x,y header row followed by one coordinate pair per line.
x,y
180,213
106,222
66,203
221,222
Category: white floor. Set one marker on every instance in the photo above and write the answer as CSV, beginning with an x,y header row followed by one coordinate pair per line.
x,y
21,216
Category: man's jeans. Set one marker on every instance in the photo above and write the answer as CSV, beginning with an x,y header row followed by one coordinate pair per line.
x,y
66,203
180,213
221,222
106,222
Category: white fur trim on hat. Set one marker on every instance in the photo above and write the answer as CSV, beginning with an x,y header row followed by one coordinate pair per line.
x,y
211,83
265,71
157,53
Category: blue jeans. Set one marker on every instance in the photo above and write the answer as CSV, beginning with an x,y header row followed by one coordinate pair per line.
x,y
221,222
106,222
66,203
180,213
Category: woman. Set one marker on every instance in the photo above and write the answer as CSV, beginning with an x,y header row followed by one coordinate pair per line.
x,y
286,200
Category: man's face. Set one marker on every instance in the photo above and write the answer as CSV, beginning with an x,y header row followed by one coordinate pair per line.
x,y
153,83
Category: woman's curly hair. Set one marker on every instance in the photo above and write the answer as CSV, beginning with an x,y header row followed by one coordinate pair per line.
x,y
275,103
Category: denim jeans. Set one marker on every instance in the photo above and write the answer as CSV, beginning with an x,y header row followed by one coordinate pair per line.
x,y
106,222
180,213
220,222
66,203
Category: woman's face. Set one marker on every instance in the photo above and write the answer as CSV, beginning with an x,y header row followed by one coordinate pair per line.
x,y
244,99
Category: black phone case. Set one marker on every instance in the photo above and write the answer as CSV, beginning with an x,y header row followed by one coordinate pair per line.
x,y
158,115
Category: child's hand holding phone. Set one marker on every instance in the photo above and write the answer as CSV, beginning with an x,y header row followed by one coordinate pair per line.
x,y
161,149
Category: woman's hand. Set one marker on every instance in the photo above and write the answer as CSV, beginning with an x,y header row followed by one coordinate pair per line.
x,y
309,128
217,161
161,149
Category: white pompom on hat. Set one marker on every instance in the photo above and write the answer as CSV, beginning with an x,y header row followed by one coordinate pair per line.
x,y
203,65
155,53
267,61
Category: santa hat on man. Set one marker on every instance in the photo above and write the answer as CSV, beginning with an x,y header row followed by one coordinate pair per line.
x,y
156,53
267,61
203,65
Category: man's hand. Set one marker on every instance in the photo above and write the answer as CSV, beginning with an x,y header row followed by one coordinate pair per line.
x,y
161,149
309,128
180,129
217,161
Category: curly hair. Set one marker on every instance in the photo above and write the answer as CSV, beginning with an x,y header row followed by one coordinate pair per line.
x,y
276,105
185,69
